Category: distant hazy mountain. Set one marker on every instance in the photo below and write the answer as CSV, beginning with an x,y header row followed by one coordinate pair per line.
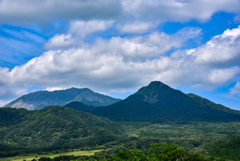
x,y
41,99
54,127
158,102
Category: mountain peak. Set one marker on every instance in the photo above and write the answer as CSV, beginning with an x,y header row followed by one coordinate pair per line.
x,y
156,84
153,88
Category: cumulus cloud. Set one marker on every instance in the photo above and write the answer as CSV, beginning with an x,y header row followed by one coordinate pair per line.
x,y
136,27
84,28
125,64
221,50
235,89
78,31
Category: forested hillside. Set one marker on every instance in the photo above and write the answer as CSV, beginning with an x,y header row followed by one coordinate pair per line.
x,y
159,103
80,106
55,127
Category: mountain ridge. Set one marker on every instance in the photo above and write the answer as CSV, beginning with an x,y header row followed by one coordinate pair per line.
x,y
40,99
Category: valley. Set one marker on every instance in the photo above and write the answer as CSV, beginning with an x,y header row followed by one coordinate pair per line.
x,y
155,114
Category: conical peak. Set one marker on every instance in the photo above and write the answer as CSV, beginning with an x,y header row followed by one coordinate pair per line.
x,y
156,83
153,87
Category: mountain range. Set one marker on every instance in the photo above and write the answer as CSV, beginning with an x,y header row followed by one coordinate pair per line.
x,y
40,99
156,102
84,124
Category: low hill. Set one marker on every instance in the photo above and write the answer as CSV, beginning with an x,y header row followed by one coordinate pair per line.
x,y
57,127
40,99
80,106
158,102
11,116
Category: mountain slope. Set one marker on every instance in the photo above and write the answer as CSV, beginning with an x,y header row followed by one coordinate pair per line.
x,y
11,116
80,106
158,102
207,103
58,127
41,99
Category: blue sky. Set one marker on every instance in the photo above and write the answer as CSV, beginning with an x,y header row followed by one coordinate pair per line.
x,y
116,47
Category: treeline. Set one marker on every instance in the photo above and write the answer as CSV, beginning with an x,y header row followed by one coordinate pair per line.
x,y
163,152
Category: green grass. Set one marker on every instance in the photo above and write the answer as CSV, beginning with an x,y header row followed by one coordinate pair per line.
x,y
33,156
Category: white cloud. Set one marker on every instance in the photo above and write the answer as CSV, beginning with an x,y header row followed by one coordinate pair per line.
x,y
222,49
59,41
125,64
78,31
84,28
136,27
221,76
235,89
178,10
54,89
3,103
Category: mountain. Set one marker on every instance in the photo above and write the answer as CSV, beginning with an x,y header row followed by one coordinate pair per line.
x,y
41,99
55,127
80,106
158,102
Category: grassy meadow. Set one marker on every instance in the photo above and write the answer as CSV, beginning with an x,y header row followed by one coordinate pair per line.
x,y
36,156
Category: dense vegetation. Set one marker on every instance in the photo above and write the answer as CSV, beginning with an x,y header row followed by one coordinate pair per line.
x,y
55,127
98,133
157,152
80,106
229,148
158,103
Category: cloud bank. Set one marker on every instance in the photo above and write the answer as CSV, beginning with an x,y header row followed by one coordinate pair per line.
x,y
120,64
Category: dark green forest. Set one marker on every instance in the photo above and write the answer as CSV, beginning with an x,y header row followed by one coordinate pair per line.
x,y
55,128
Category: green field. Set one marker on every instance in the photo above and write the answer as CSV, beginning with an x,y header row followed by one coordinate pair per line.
x,y
36,156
